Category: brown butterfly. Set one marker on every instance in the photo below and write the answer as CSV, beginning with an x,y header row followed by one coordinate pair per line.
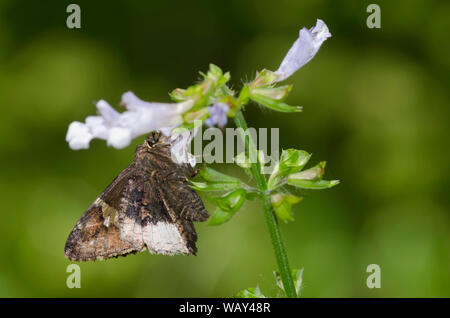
x,y
148,206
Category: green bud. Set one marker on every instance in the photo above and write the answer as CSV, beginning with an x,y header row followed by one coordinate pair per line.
x,y
243,161
177,95
291,161
231,202
282,204
314,173
214,71
263,78
219,217
276,93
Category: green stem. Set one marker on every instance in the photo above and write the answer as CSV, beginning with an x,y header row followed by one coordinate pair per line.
x,y
274,230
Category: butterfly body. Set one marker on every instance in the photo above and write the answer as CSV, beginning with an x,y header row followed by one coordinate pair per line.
x,y
148,206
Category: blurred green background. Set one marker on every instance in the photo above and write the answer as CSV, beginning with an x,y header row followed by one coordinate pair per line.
x,y
376,107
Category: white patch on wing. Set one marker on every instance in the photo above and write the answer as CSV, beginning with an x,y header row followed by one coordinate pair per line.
x,y
131,232
163,238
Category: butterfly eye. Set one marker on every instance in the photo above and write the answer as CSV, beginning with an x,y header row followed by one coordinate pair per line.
x,y
152,139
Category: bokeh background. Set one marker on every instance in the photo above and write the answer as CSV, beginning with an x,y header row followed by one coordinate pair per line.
x,y
376,107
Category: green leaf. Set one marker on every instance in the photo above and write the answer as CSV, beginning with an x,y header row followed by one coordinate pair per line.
x,y
250,293
312,184
219,217
274,104
214,186
282,204
212,175
231,202
215,181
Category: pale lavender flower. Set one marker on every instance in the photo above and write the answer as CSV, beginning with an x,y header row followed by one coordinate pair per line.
x,y
303,49
218,115
118,129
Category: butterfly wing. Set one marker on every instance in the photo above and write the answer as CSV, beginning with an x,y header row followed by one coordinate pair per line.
x,y
149,205
97,234
146,217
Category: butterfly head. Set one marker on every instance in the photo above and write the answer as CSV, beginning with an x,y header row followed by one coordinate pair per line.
x,y
155,138
152,139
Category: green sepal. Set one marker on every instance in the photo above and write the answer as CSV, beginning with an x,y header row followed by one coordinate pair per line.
x,y
274,104
199,114
297,277
178,95
219,217
244,95
263,78
227,206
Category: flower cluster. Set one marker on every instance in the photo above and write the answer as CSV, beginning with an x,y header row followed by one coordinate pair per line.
x,y
210,101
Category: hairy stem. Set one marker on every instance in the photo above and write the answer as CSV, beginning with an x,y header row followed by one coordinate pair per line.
x,y
274,230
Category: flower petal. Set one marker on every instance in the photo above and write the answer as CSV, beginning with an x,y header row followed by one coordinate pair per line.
x,y
132,102
97,127
78,136
119,137
107,112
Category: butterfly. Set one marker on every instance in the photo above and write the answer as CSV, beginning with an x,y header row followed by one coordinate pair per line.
x,y
149,206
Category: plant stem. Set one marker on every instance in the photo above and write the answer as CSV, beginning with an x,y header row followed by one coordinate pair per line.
x,y
274,230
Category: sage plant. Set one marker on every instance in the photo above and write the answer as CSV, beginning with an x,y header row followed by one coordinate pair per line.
x,y
213,102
